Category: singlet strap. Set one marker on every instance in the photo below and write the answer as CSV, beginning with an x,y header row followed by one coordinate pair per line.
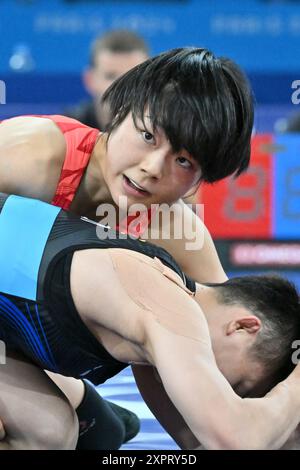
x,y
80,142
25,225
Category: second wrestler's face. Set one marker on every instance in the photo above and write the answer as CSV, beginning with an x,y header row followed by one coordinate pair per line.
x,y
245,375
234,331
233,352
141,165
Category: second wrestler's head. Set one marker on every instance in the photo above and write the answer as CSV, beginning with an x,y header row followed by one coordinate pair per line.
x,y
253,323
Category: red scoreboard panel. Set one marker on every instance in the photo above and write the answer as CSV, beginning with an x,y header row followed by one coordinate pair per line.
x,y
263,203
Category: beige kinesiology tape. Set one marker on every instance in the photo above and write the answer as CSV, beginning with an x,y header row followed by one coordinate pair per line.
x,y
159,291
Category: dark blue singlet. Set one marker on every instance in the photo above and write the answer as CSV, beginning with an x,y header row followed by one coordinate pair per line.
x,y
37,315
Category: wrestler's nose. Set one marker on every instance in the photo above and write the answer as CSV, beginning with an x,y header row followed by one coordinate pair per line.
x,y
154,163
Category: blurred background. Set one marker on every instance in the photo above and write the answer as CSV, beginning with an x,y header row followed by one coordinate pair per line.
x,y
51,64
45,45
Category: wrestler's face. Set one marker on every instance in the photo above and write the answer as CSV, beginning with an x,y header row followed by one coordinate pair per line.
x,y
245,375
142,166
234,331
232,345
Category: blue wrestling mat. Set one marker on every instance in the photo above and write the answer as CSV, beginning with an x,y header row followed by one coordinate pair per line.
x,y
122,390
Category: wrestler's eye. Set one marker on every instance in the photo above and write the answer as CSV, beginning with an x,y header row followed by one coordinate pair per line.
x,y
184,162
148,137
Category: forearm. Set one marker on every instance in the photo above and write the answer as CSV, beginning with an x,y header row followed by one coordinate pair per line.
x,y
267,423
214,413
153,393
226,421
195,251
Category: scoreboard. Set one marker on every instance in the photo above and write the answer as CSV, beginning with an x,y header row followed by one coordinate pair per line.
x,y
255,219
263,203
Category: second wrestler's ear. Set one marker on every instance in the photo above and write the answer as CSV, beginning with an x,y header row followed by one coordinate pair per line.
x,y
250,324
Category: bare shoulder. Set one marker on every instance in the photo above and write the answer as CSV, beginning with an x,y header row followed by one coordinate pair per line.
x,y
30,130
127,292
32,151
160,295
100,296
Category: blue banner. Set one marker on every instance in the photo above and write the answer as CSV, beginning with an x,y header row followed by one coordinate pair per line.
x,y
260,36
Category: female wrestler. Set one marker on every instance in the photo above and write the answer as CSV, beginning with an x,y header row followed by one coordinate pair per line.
x,y
177,119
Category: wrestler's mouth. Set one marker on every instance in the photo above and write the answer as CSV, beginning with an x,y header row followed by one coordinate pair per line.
x,y
130,185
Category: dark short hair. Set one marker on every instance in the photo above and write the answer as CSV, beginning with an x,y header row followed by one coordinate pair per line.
x,y
204,104
117,41
276,302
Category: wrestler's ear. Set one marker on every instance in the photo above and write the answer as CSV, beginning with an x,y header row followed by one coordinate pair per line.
x,y
250,324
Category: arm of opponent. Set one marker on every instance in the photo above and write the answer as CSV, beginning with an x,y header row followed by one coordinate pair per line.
x,y
155,397
194,249
151,313
217,417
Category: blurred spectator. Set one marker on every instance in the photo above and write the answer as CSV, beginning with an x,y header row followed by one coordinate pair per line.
x,y
291,124
111,56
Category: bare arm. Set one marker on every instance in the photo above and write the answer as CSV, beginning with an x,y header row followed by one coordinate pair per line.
x,y
163,409
32,151
194,250
217,417
154,395
157,316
